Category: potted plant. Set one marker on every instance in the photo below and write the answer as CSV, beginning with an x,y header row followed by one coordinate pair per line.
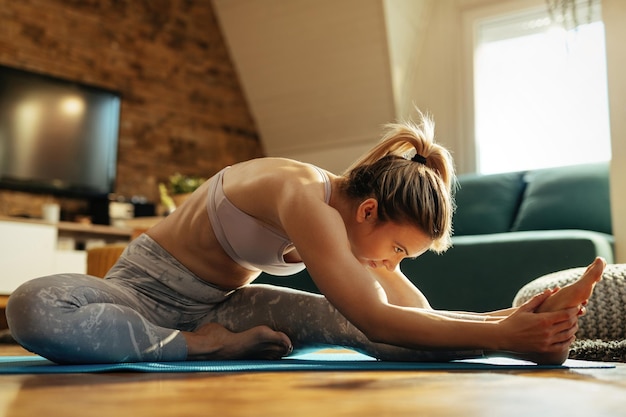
x,y
179,189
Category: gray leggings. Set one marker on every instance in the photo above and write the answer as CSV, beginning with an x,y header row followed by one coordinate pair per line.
x,y
136,314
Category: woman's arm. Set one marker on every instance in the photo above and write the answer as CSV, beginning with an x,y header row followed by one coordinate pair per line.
x,y
398,288
319,234
402,292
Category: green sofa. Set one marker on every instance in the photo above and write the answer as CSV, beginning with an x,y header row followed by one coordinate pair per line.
x,y
508,230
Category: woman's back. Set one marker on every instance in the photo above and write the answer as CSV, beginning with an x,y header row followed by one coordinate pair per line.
x,y
247,209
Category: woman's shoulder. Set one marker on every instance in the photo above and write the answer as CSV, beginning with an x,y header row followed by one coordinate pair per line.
x,y
276,169
275,179
271,162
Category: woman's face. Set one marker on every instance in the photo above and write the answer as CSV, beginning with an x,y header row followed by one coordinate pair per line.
x,y
384,245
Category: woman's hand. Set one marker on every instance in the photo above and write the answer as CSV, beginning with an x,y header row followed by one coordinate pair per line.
x,y
545,333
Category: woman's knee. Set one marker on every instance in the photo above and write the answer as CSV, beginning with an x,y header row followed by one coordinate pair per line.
x,y
28,297
35,304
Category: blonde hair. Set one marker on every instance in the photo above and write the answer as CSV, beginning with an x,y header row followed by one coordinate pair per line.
x,y
411,177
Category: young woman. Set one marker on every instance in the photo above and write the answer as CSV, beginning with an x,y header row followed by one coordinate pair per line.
x,y
182,290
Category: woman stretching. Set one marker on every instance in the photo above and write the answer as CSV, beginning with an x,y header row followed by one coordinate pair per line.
x,y
182,290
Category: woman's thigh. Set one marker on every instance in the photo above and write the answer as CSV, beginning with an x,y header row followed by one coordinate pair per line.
x,y
78,318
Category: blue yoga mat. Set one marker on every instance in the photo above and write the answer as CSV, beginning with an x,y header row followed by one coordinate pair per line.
x,y
309,362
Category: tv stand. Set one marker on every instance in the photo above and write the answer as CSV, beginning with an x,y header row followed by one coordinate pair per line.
x,y
33,248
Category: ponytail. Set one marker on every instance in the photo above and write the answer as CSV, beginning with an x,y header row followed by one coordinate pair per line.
x,y
411,177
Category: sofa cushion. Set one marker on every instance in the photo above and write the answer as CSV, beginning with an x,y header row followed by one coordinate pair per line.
x,y
573,197
487,203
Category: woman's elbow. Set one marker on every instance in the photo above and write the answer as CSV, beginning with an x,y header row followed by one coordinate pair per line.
x,y
377,332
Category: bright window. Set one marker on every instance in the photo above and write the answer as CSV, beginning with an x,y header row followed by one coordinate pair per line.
x,y
540,93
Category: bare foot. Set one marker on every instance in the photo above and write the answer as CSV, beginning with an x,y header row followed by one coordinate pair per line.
x,y
577,293
214,342
554,358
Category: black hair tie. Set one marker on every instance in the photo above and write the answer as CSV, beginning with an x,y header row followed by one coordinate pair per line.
x,y
419,158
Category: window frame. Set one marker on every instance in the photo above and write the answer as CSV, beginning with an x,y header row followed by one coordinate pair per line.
x,y
472,14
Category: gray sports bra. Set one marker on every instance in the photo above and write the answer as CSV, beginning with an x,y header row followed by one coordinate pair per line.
x,y
249,242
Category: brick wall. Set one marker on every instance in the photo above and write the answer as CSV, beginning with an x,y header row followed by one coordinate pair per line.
x,y
182,106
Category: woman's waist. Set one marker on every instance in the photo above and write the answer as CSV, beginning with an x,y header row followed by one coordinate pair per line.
x,y
207,261
220,270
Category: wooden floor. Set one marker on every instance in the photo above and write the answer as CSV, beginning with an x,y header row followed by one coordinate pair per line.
x,y
589,393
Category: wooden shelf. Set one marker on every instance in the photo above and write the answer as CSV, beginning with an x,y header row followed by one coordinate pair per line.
x,y
83,231
69,228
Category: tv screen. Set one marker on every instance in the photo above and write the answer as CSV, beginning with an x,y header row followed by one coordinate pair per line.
x,y
57,136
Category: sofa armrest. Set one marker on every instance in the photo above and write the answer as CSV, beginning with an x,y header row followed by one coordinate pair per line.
x,y
484,272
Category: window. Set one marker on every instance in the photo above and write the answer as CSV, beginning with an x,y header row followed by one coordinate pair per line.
x,y
540,92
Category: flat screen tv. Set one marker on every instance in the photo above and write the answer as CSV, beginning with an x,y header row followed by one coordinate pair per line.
x,y
57,136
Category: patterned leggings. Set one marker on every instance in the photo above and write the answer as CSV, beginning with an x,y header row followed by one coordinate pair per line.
x,y
136,314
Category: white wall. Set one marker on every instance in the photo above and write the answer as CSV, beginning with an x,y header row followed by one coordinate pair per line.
x,y
436,85
407,23
614,16
335,159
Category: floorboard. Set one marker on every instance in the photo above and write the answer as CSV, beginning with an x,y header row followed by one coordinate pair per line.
x,y
578,392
